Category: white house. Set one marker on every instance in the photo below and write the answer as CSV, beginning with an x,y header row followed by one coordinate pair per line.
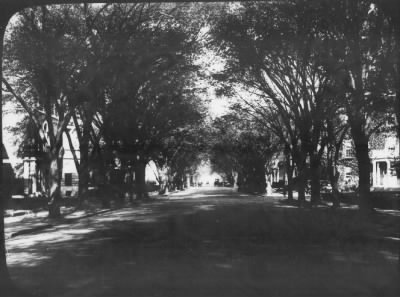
x,y
383,164
384,156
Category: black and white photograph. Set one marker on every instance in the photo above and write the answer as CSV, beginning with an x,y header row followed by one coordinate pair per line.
x,y
200,149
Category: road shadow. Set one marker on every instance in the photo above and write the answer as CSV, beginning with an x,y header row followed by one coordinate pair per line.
x,y
210,246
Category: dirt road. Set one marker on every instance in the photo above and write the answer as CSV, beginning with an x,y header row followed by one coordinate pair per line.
x,y
205,242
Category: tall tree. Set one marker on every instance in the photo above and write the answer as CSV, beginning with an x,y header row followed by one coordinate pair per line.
x,y
43,59
336,131
275,51
5,280
149,94
6,285
361,50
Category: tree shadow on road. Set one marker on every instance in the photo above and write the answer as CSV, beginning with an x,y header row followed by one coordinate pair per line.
x,y
209,249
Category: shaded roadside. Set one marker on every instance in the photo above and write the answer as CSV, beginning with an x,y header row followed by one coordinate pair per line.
x,y
25,221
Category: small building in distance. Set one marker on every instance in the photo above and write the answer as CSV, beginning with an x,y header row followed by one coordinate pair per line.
x,y
33,173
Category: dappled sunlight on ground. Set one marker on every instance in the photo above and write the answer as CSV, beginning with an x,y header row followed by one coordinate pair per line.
x,y
354,207
279,205
25,259
218,244
389,212
27,241
79,231
206,207
390,256
195,196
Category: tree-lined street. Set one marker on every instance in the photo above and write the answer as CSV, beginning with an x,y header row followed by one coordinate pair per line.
x,y
303,155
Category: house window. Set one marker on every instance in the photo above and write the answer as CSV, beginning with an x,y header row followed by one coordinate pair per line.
x,y
348,152
68,179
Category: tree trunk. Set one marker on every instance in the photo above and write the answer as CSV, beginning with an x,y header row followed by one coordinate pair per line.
x,y
6,284
5,280
315,168
235,180
289,176
83,184
333,174
54,181
362,154
140,180
398,109
396,25
299,157
129,183
364,178
289,185
301,187
162,176
397,104
104,194
163,187
335,195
